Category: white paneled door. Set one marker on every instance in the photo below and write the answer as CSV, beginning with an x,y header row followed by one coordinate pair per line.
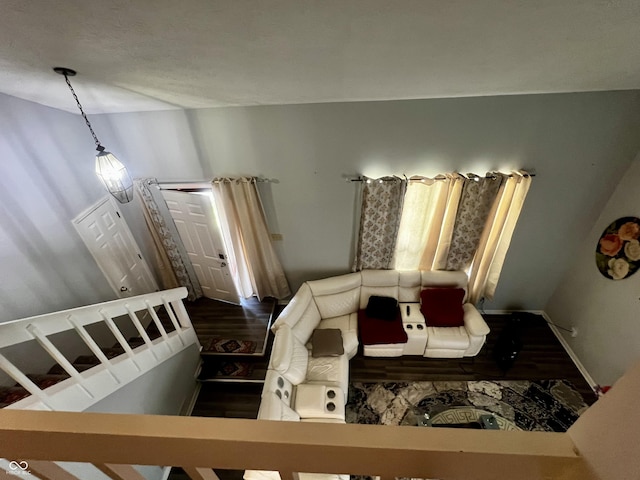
x,y
108,238
199,229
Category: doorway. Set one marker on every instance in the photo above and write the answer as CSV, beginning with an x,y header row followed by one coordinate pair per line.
x,y
198,225
108,238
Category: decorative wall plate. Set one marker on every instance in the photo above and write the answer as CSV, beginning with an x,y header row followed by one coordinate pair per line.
x,y
618,250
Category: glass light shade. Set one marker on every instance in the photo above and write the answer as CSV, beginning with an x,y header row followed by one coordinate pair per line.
x,y
114,176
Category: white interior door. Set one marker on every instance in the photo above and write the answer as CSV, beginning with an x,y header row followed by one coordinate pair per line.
x,y
199,229
108,238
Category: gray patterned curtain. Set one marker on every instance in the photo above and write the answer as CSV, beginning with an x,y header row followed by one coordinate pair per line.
x,y
478,195
171,258
382,200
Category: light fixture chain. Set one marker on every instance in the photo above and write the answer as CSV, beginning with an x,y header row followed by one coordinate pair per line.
x,y
84,115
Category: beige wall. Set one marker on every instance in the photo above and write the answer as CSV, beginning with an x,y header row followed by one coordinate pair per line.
x,y
607,434
579,144
605,311
46,179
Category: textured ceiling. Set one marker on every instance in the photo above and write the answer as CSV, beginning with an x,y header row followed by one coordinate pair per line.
x,y
158,54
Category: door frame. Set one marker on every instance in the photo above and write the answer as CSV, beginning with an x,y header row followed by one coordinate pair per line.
x,y
199,186
205,191
127,235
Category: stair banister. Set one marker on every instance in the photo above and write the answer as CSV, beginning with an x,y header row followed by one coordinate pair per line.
x,y
172,317
93,346
108,375
141,331
158,323
15,373
120,338
60,359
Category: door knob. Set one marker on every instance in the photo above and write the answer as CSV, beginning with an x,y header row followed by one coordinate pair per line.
x,y
123,289
223,264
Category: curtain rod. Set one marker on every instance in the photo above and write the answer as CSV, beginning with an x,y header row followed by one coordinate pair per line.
x,y
197,184
361,178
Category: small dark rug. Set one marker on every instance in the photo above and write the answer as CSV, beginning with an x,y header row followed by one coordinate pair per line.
x,y
547,405
227,345
234,369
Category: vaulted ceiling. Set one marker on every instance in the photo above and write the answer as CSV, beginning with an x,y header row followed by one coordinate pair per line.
x,y
136,55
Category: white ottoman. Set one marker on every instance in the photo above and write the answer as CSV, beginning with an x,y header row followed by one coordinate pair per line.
x,y
416,328
319,401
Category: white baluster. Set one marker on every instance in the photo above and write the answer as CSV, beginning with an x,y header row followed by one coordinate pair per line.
x,y
183,316
119,337
57,355
91,343
145,337
174,320
15,373
158,323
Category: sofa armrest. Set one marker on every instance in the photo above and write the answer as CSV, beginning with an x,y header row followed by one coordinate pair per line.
x,y
473,321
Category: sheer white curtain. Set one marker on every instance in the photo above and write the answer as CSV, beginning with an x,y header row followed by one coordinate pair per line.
x,y
496,236
426,224
247,236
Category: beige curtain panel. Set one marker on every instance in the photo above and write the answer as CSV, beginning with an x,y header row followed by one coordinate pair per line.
x,y
449,222
496,236
247,237
426,225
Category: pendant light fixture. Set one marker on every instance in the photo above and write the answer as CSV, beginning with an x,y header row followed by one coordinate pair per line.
x,y
111,172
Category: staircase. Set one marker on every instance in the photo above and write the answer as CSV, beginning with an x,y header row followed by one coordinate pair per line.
x,y
157,326
57,373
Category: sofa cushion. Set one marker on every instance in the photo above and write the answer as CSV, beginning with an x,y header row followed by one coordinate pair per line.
x,y
336,296
289,357
454,338
442,307
381,283
442,278
301,314
384,308
331,371
348,325
326,342
409,286
374,331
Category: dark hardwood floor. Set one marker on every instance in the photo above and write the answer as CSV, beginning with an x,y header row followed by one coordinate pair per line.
x,y
248,321
542,357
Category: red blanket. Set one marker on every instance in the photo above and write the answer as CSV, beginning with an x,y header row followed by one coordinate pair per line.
x,y
374,331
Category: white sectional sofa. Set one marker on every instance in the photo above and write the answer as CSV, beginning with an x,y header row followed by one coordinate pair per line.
x,y
300,387
334,303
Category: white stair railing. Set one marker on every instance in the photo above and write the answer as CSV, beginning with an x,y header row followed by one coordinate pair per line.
x,y
83,389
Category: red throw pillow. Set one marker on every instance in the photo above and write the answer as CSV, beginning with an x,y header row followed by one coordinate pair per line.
x,y
442,307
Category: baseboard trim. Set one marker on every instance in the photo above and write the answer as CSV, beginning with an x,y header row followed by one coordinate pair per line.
x,y
190,404
592,383
574,358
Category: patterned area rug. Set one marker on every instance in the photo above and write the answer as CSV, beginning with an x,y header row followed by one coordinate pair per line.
x,y
234,369
548,405
226,345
